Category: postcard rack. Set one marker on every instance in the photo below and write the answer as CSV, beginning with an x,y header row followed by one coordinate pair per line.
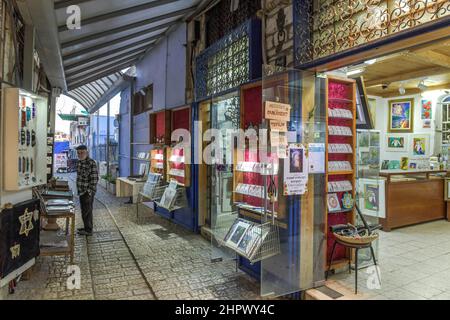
x,y
253,241
180,199
155,193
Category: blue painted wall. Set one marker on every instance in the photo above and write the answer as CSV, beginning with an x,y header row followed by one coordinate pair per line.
x,y
165,68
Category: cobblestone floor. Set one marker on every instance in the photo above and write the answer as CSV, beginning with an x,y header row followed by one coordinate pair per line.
x,y
129,258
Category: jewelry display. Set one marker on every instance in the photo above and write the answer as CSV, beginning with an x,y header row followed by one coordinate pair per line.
x,y
25,129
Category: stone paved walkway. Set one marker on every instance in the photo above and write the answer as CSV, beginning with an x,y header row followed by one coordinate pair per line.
x,y
129,258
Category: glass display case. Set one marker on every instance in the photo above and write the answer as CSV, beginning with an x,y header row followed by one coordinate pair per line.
x,y
273,224
370,187
24,139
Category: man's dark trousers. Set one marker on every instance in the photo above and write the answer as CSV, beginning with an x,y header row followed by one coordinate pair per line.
x,y
86,203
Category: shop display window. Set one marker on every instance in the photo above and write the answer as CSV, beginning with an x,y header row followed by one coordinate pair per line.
x,y
25,140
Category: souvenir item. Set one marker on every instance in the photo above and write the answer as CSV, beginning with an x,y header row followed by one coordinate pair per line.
x,y
333,202
23,116
33,138
28,138
23,137
347,201
28,112
34,110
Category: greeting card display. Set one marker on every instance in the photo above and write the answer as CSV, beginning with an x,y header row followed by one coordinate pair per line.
x,y
341,161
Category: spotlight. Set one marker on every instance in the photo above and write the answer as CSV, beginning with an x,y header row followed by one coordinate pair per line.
x,y
402,90
422,86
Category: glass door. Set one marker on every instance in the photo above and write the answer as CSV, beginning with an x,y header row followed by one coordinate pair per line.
x,y
225,116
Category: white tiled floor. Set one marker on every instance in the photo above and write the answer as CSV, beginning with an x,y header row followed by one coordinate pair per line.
x,y
414,264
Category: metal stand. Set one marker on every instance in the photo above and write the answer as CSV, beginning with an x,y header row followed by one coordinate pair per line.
x,y
357,248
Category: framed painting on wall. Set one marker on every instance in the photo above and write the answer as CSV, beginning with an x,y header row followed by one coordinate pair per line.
x,y
420,146
397,143
401,115
426,110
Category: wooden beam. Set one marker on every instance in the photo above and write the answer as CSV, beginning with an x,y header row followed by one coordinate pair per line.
x,y
411,91
408,76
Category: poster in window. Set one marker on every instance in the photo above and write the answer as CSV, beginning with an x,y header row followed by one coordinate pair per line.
x,y
296,170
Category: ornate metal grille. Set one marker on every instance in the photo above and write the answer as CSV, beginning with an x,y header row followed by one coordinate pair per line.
x,y
229,67
224,65
222,19
326,27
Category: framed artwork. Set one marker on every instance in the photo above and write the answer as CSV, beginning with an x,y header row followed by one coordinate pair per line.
x,y
374,138
420,146
426,110
397,143
401,115
363,116
394,165
404,162
363,139
372,197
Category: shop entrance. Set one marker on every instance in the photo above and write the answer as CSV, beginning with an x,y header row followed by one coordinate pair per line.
x,y
402,149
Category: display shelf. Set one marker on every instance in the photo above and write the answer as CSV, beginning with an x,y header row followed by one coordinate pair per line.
x,y
341,100
25,139
176,166
340,173
341,130
157,161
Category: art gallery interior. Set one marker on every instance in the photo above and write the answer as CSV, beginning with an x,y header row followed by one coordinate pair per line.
x,y
402,160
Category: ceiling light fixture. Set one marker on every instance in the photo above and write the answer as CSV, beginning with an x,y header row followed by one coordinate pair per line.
x,y
422,86
354,72
402,89
370,62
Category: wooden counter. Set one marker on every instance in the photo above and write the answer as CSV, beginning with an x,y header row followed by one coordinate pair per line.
x,y
413,197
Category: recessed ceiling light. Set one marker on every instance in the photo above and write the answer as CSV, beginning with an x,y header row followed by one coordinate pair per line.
x,y
370,62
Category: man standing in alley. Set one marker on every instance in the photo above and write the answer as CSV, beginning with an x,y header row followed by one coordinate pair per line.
x,y
87,179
